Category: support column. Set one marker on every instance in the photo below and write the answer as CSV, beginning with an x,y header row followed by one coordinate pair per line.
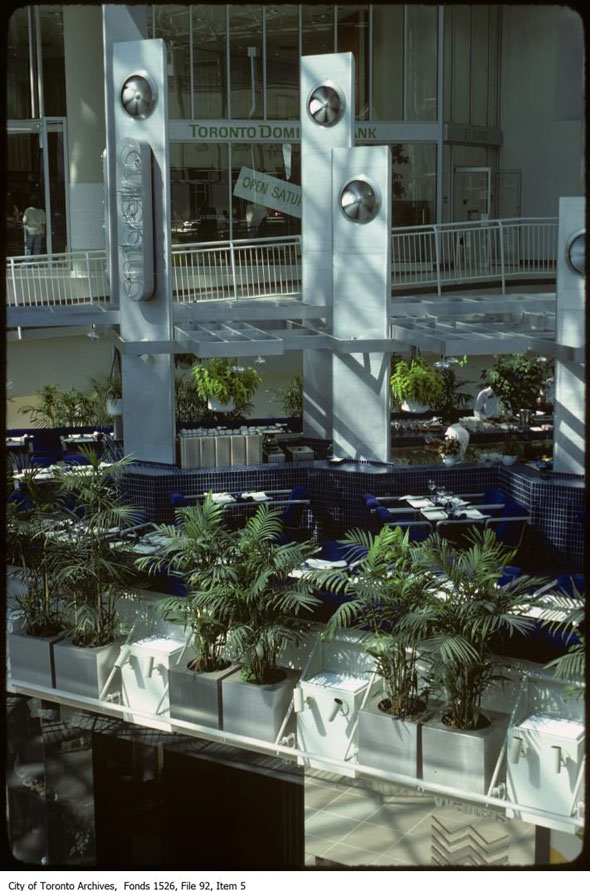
x,y
86,125
140,238
569,420
361,218
327,81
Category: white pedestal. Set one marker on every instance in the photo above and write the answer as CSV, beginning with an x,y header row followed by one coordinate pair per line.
x,y
144,676
544,757
326,723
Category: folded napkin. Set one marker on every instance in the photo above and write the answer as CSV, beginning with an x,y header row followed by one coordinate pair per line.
x,y
434,513
316,563
255,496
222,497
419,502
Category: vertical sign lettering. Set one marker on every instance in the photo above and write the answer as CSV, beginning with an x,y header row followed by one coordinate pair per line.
x,y
134,211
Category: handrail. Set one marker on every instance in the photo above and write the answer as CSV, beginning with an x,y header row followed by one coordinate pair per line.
x,y
437,254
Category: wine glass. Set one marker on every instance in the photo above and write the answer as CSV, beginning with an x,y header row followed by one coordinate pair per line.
x,y
432,489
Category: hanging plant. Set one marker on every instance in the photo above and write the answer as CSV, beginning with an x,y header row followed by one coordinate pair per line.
x,y
220,382
416,383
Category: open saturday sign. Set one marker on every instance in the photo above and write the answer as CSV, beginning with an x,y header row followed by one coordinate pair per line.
x,y
260,188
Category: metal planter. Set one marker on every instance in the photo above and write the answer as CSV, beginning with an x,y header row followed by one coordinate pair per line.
x,y
197,696
85,670
389,743
31,658
256,710
463,759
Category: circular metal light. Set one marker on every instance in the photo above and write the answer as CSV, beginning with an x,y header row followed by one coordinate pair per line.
x,y
325,105
575,252
138,96
359,201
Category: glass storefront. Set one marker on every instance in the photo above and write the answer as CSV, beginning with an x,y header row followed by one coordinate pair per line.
x,y
241,62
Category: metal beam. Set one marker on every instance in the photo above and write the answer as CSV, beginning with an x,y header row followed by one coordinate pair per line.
x,y
249,310
53,316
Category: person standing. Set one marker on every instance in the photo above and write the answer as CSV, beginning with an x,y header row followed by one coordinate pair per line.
x,y
34,227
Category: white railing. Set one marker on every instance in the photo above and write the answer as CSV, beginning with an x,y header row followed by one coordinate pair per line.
x,y
454,253
266,267
57,279
439,255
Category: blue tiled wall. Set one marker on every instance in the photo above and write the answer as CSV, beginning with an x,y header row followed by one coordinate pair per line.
x,y
556,503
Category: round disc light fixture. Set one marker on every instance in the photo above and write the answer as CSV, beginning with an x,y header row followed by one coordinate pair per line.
x,y
359,201
138,96
326,105
575,252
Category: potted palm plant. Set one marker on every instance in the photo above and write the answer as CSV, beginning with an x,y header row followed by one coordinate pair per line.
x,y
416,387
196,552
262,606
390,600
461,746
39,618
225,386
94,571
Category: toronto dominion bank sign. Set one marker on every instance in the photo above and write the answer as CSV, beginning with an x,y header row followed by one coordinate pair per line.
x,y
257,131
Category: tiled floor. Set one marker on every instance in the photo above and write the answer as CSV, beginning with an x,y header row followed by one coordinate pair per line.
x,y
350,823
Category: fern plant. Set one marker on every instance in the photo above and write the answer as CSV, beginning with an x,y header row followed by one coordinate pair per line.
x,y
470,613
416,382
290,397
391,599
220,379
263,603
197,551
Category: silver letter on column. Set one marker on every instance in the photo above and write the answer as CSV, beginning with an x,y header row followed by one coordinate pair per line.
x,y
569,420
361,215
327,122
139,96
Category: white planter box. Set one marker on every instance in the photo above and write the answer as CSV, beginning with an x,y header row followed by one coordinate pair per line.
x,y
85,670
197,696
544,758
256,710
330,703
31,658
462,759
389,743
144,676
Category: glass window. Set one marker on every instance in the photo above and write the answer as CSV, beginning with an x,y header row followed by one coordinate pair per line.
x,y
353,37
254,219
24,185
447,62
480,32
388,63
18,84
493,67
199,191
245,30
461,62
414,184
282,62
421,64
210,62
172,26
52,48
317,29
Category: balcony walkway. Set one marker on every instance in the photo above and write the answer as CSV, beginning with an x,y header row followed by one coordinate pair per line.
x,y
426,257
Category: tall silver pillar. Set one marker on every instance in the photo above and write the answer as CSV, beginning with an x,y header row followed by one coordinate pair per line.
x,y
138,142
327,122
361,220
569,420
